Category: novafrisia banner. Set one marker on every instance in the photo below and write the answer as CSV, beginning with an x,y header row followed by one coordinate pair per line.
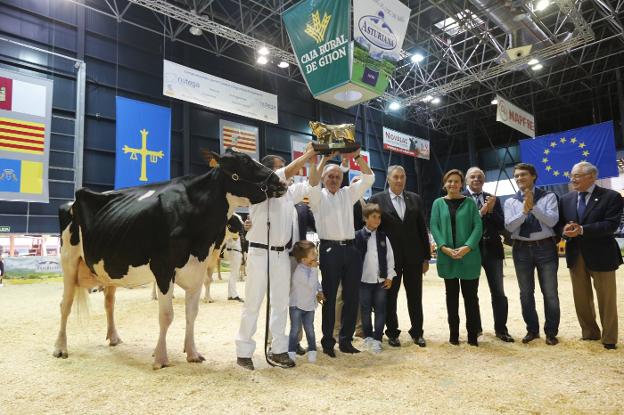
x,y
194,86
405,144
143,143
25,124
516,118
554,155
240,137
319,35
379,28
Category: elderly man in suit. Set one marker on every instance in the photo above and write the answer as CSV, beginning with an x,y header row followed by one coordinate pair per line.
x,y
403,221
589,216
491,247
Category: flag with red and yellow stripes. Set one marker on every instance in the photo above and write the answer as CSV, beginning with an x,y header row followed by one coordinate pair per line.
x,y
22,136
240,137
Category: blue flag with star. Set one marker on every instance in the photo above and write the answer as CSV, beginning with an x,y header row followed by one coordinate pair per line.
x,y
143,143
554,155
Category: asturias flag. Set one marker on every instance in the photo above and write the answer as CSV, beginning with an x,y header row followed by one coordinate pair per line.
x,y
554,155
143,143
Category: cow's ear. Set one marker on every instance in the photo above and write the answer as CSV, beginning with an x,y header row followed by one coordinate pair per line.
x,y
210,157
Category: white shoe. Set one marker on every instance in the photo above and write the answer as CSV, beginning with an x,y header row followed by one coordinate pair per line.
x,y
376,346
312,356
368,343
292,355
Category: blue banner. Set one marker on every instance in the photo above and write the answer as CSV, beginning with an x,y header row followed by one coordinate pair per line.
x,y
143,143
554,155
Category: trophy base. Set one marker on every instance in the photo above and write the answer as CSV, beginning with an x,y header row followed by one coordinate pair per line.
x,y
339,147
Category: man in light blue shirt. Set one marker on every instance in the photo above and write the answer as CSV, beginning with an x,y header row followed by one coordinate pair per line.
x,y
530,216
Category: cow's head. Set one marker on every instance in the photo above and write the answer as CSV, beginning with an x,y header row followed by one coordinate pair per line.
x,y
245,177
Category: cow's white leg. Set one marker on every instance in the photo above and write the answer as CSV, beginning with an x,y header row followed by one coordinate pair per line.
x,y
69,288
69,263
219,269
154,289
191,308
207,282
109,304
165,317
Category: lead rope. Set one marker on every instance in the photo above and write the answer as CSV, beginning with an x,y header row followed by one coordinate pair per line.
x,y
268,301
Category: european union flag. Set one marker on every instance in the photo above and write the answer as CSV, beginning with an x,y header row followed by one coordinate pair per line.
x,y
143,143
554,155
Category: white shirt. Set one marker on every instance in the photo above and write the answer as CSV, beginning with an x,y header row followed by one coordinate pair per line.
x,y
477,199
398,201
303,288
333,213
370,272
281,214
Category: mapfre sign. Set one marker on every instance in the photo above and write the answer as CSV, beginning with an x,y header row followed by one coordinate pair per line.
x,y
516,118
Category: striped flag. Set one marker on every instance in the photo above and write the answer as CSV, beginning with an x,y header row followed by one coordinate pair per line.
x,y
240,137
22,136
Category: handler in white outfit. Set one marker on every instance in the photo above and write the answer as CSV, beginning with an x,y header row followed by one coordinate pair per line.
x,y
234,256
281,225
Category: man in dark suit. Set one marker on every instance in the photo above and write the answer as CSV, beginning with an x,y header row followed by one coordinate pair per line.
x,y
403,221
491,247
589,217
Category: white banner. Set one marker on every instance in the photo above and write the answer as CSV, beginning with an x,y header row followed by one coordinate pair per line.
x,y
405,144
514,117
210,91
380,26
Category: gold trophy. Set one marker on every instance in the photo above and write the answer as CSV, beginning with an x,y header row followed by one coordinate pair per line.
x,y
330,138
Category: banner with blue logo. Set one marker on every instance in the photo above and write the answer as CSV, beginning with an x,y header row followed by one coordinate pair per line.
x,y
143,143
554,155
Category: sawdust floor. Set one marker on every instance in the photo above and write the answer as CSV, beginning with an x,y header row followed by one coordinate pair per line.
x,y
573,377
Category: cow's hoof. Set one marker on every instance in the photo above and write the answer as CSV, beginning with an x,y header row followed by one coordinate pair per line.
x,y
114,341
60,353
159,364
195,359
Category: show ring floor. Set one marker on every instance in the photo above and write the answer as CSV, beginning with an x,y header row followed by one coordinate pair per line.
x,y
573,377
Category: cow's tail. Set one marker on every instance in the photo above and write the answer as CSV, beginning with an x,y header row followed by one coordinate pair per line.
x,y
81,302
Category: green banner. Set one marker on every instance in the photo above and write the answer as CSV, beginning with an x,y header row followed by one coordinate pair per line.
x,y
319,34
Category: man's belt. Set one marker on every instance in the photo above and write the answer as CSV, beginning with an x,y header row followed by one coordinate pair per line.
x,y
263,246
539,242
234,249
344,242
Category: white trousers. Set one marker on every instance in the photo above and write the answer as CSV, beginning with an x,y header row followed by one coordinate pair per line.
x,y
234,258
255,291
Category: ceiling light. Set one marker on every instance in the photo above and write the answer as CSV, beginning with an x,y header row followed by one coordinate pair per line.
x,y
494,101
394,106
263,51
283,64
417,58
427,98
537,67
436,100
533,62
541,5
195,31
262,60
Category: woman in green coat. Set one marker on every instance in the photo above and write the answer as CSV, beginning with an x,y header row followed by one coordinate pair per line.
x,y
456,227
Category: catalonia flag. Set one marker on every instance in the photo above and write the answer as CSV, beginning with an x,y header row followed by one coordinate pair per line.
x,y
554,155
143,143
21,176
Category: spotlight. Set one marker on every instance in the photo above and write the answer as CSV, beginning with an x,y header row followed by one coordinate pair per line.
x,y
394,106
417,58
436,100
195,31
494,101
263,51
541,5
283,64
532,62
262,60
427,98
537,67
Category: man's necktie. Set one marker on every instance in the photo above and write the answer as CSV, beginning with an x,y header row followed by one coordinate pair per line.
x,y
401,207
477,197
581,205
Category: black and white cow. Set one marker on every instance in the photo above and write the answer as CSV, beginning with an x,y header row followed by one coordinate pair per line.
x,y
165,231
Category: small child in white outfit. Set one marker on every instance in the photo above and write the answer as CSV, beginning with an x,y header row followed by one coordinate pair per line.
x,y
305,291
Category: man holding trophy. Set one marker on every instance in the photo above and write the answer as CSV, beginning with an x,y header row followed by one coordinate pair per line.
x,y
332,207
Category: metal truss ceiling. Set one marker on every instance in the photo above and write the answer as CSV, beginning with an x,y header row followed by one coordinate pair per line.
x,y
584,49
